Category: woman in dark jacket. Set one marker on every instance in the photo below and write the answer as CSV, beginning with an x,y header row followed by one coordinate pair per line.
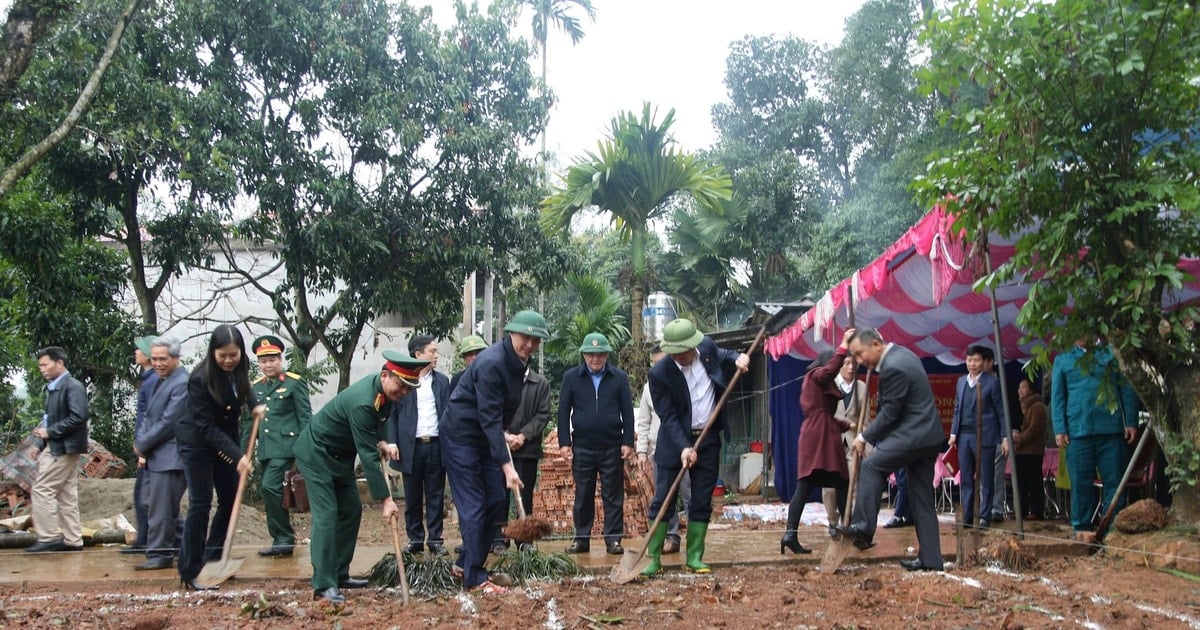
x,y
218,391
822,452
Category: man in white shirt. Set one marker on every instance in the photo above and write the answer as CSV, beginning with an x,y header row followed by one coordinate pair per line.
x,y
413,430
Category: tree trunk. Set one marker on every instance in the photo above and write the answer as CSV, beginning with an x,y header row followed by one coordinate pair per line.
x,y
489,319
637,332
28,22
1171,401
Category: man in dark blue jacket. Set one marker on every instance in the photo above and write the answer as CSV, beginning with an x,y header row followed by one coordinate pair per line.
x,y
473,447
413,429
685,387
596,404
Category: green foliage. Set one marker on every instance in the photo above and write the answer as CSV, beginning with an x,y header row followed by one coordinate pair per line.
x,y
632,176
821,143
524,566
597,310
1184,471
1092,145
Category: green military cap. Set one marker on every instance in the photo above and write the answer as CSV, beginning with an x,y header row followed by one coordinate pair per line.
x,y
528,323
405,367
679,336
143,343
471,343
595,343
267,345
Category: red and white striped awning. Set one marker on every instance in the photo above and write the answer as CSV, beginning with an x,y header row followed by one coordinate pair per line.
x,y
920,294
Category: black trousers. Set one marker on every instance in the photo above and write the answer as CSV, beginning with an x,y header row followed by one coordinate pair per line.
x,y
585,466
203,540
527,470
703,475
424,494
1029,482
139,508
872,481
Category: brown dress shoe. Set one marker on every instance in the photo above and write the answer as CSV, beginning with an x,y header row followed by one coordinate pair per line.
x,y
671,545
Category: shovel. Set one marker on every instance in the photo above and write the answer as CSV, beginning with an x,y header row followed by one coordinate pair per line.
x,y
394,525
1106,521
838,549
214,574
629,569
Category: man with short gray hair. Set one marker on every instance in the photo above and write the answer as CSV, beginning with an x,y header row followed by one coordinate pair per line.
x,y
155,442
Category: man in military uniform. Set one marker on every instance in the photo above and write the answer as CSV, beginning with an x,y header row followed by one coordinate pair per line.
x,y
353,423
288,412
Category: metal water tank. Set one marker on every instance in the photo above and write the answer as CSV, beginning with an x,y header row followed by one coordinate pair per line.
x,y
659,310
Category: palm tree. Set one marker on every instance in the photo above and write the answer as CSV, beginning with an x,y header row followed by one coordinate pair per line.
x,y
635,172
599,311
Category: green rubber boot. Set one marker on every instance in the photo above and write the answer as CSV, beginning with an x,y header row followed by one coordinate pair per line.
x,y
654,551
695,548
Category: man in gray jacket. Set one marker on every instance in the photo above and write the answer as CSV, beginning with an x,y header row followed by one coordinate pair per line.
x,y
155,442
64,435
907,434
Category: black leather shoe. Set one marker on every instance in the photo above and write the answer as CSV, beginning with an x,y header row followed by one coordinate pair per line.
x,y
191,585
276,551
996,517
897,521
614,548
579,547
857,536
414,548
154,564
132,550
354,583
331,595
915,565
438,550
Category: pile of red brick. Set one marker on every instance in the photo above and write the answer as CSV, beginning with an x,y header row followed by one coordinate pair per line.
x,y
555,495
20,466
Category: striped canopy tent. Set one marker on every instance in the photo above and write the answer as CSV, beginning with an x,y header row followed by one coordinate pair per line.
x,y
920,294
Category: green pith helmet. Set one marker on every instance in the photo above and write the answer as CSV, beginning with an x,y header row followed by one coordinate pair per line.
x,y
595,343
528,323
471,343
680,335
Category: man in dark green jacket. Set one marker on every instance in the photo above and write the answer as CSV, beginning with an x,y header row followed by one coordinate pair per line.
x,y
288,412
353,423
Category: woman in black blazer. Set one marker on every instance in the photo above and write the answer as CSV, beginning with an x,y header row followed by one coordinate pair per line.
x,y
218,391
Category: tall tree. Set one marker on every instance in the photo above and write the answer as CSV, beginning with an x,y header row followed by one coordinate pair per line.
x,y
819,141
633,175
386,162
1085,143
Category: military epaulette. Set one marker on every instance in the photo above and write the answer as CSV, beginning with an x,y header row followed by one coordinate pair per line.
x,y
261,379
294,375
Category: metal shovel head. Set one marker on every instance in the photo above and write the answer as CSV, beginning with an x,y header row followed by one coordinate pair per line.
x,y
629,568
215,573
835,554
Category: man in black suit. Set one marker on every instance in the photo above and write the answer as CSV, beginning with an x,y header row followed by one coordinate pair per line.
x,y
685,386
413,429
907,434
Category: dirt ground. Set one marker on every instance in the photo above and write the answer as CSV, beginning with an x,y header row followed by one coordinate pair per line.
x,y
1124,587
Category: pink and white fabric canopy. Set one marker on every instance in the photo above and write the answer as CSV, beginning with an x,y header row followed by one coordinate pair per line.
x,y
919,293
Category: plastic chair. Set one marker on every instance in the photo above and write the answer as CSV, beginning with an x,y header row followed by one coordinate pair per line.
x,y
943,479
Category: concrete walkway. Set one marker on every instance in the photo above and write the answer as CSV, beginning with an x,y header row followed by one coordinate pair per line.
x,y
726,546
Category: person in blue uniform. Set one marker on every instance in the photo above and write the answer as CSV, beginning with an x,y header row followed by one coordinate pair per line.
x,y
473,447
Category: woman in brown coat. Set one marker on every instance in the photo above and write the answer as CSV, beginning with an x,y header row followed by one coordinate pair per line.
x,y
822,454
1030,445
